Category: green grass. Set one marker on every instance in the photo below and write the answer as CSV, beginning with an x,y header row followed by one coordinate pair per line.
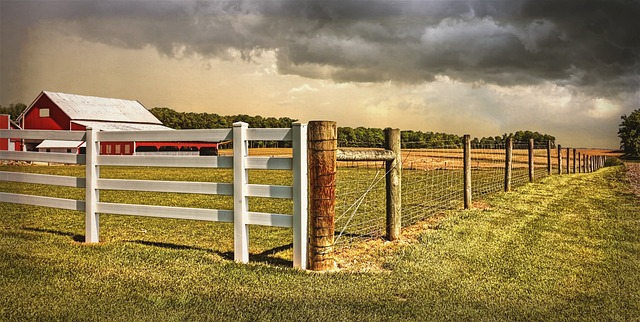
x,y
567,248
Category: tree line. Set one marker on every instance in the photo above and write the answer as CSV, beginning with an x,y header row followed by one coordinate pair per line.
x,y
347,137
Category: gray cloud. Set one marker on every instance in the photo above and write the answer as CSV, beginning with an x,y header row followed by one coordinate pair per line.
x,y
590,45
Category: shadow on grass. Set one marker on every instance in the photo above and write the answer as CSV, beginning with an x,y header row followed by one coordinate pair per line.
x,y
75,237
263,257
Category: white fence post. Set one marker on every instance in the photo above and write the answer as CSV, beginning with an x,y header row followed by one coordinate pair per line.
x,y
92,228
300,196
240,199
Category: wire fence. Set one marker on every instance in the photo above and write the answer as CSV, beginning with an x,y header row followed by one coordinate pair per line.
x,y
432,182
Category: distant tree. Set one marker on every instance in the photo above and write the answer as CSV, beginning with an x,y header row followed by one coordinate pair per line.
x,y
14,110
629,134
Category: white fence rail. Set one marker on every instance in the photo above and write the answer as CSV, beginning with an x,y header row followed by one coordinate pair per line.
x,y
240,189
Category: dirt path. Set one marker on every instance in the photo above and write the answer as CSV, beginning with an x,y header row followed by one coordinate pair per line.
x,y
633,174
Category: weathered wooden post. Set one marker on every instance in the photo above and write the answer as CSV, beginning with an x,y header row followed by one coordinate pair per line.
x,y
467,170
393,183
508,164
531,165
586,163
559,159
574,160
568,161
322,145
549,157
579,162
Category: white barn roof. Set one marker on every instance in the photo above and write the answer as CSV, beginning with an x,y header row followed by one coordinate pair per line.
x,y
117,126
91,108
53,144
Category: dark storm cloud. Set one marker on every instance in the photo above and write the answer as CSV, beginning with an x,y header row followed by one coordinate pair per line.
x,y
590,45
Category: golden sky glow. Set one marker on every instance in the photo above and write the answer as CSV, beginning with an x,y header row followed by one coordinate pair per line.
x,y
355,87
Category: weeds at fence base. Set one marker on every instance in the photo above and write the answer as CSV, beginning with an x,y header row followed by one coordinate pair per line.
x,y
368,256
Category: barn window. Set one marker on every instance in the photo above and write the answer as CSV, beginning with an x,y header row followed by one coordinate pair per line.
x,y
44,112
117,148
127,149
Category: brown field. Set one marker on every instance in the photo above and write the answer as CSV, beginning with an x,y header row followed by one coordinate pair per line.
x,y
447,159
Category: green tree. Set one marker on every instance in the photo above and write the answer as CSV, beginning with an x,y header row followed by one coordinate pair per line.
x,y
14,110
629,134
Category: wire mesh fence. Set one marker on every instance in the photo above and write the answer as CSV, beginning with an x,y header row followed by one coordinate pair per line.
x,y
432,182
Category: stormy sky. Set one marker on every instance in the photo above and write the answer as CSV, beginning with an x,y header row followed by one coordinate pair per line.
x,y
569,68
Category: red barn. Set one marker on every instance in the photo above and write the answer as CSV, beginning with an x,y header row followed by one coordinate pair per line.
x,y
9,144
60,111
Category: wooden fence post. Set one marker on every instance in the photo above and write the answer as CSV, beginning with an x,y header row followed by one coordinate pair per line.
x,y
322,145
586,163
467,170
531,165
549,167
559,159
568,161
393,183
240,199
508,164
579,162
574,160
92,194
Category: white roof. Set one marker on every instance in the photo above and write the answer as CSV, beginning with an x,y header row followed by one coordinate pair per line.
x,y
57,144
79,107
115,126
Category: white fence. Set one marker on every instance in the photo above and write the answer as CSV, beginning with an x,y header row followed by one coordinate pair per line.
x,y
240,189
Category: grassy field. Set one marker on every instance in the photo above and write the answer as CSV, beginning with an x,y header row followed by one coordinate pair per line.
x,y
567,248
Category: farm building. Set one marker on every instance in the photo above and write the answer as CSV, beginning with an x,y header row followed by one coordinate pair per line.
x,y
9,144
67,112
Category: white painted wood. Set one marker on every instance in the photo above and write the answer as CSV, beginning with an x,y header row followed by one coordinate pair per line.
x,y
43,134
166,212
61,203
207,188
240,189
269,191
269,163
42,179
269,134
167,161
266,219
43,157
210,135
240,200
300,196
92,218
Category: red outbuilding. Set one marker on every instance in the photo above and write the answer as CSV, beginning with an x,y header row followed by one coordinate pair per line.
x,y
9,144
60,111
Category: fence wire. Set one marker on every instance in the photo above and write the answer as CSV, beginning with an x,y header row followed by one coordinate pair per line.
x,y
432,182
